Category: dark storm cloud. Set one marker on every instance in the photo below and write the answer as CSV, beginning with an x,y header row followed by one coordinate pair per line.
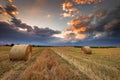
x,y
10,32
18,23
17,31
102,24
45,32
10,9
41,32
113,27
105,31
110,23
103,27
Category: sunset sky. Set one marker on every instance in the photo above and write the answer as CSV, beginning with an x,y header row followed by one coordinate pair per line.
x,y
60,22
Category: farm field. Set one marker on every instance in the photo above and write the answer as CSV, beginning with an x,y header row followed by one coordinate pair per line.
x,y
62,63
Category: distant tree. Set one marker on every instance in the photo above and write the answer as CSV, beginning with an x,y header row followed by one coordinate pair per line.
x,y
6,44
12,44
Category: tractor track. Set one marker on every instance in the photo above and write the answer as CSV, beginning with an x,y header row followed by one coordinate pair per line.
x,y
45,65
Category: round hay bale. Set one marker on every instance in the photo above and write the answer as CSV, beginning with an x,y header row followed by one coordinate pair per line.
x,y
86,50
20,52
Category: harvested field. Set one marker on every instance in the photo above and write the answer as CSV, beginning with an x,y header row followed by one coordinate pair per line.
x,y
9,70
103,64
50,66
62,63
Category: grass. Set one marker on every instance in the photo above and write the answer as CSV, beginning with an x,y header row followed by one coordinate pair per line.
x,y
50,63
62,59
103,64
4,67
7,66
50,66
4,64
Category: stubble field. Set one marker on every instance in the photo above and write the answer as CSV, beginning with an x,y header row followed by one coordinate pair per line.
x,y
62,63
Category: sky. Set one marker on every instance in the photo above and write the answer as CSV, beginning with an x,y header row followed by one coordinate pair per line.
x,y
60,22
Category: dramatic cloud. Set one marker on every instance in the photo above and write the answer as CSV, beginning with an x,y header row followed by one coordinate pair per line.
x,y
9,33
45,32
79,27
10,9
110,23
67,15
66,6
42,32
87,1
17,31
88,23
98,24
99,13
80,23
106,26
20,25
21,32
70,8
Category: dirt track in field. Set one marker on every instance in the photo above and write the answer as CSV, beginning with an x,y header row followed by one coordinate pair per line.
x,y
46,65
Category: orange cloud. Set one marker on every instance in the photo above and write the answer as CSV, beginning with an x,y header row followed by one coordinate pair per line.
x,y
67,15
10,1
9,10
69,10
81,23
72,9
81,20
80,36
79,26
87,1
72,35
81,29
66,5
